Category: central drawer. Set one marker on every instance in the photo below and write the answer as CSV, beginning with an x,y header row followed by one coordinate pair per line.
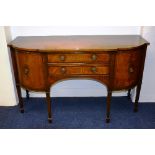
x,y
78,58
78,70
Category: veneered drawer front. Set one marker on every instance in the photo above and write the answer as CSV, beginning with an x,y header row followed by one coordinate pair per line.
x,y
78,58
78,70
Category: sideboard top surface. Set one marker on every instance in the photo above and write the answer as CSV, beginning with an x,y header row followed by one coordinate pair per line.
x,y
77,43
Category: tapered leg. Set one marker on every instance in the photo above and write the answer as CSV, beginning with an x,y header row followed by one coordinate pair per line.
x,y
48,99
137,97
129,94
21,105
27,94
108,106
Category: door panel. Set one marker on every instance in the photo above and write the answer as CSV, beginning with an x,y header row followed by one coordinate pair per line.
x,y
128,68
31,70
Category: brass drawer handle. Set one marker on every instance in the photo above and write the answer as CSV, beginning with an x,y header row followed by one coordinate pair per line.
x,y
93,69
131,70
94,57
63,70
62,57
26,70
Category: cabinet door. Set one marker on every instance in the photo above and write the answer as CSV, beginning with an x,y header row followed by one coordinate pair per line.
x,y
128,68
31,70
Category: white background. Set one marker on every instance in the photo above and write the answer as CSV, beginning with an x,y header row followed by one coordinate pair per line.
x,y
148,85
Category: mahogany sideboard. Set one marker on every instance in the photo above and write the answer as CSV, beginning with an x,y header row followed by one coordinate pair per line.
x,y
117,61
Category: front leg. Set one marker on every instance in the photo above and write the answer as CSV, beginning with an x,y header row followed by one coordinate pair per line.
x,y
108,106
48,99
137,97
21,105
129,94
27,94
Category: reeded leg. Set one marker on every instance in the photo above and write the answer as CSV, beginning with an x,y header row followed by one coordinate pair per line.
x,y
21,105
48,99
137,97
27,94
108,106
129,94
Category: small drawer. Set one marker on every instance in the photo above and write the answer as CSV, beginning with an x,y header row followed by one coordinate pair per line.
x,y
78,70
78,58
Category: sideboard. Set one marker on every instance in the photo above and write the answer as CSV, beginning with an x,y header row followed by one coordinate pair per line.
x,y
117,61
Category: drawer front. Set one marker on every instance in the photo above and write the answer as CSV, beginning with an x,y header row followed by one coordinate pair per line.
x,y
78,70
78,58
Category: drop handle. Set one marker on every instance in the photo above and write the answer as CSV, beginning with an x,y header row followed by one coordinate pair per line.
x,y
94,57
131,70
93,69
26,70
62,57
63,70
